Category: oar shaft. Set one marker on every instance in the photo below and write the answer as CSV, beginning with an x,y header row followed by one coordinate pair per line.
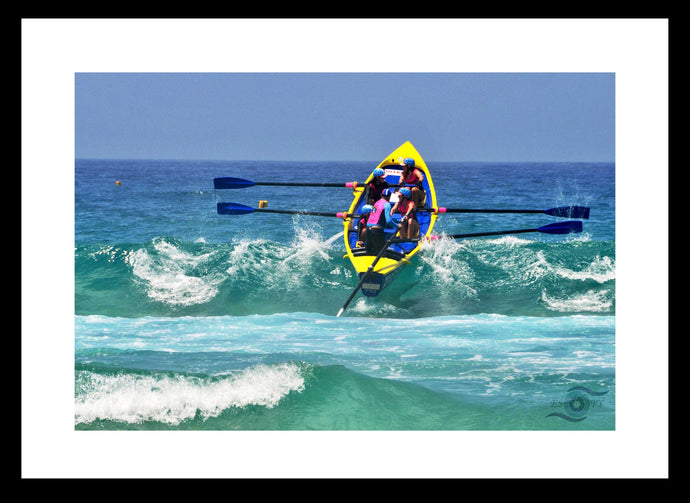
x,y
296,212
327,184
243,209
490,210
301,184
229,182
561,211
369,270
491,233
467,235
569,227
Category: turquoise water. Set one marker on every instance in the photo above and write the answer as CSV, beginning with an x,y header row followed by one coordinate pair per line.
x,y
186,319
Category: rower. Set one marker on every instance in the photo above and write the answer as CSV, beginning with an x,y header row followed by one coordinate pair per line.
x,y
409,226
413,177
379,219
362,224
377,185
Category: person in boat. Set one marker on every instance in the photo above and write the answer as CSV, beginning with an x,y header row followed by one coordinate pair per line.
x,y
409,226
413,178
377,185
362,224
379,219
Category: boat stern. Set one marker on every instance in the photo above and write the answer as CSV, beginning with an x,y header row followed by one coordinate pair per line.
x,y
376,282
385,271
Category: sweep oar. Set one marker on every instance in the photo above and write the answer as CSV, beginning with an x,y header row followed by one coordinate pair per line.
x,y
241,209
561,211
366,274
228,182
568,227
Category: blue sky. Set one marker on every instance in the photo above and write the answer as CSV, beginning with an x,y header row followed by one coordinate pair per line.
x,y
346,116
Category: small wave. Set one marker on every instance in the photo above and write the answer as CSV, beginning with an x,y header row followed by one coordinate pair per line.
x,y
441,257
172,399
309,273
525,264
308,261
374,308
601,270
174,276
591,301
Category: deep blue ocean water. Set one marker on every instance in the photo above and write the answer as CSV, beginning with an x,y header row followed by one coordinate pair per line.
x,y
186,319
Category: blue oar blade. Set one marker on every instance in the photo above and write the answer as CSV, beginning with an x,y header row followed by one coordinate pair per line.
x,y
228,182
569,212
568,227
234,209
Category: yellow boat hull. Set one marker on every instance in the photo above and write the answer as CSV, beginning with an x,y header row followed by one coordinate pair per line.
x,y
399,254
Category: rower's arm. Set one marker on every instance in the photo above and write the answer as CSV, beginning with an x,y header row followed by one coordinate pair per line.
x,y
387,214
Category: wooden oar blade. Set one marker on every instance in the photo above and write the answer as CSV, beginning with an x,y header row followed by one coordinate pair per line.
x,y
228,182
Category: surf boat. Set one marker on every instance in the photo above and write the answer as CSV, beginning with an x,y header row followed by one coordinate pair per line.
x,y
399,252
377,269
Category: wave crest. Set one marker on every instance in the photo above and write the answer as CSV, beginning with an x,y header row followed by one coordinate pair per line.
x,y
172,399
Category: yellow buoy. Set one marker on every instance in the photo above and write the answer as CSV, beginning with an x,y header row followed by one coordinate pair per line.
x,y
263,204
117,182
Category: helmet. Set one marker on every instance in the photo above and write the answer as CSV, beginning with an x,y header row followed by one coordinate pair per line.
x,y
379,172
367,208
409,161
387,192
406,192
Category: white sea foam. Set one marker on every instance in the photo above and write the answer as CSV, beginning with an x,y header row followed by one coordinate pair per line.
x,y
134,398
167,273
306,246
374,308
281,267
590,301
601,270
441,256
245,259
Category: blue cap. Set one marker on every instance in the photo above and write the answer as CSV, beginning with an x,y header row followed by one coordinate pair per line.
x,y
409,161
379,172
388,192
406,192
367,208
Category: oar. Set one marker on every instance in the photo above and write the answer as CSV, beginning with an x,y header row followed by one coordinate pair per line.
x,y
561,211
241,209
568,227
366,274
227,182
